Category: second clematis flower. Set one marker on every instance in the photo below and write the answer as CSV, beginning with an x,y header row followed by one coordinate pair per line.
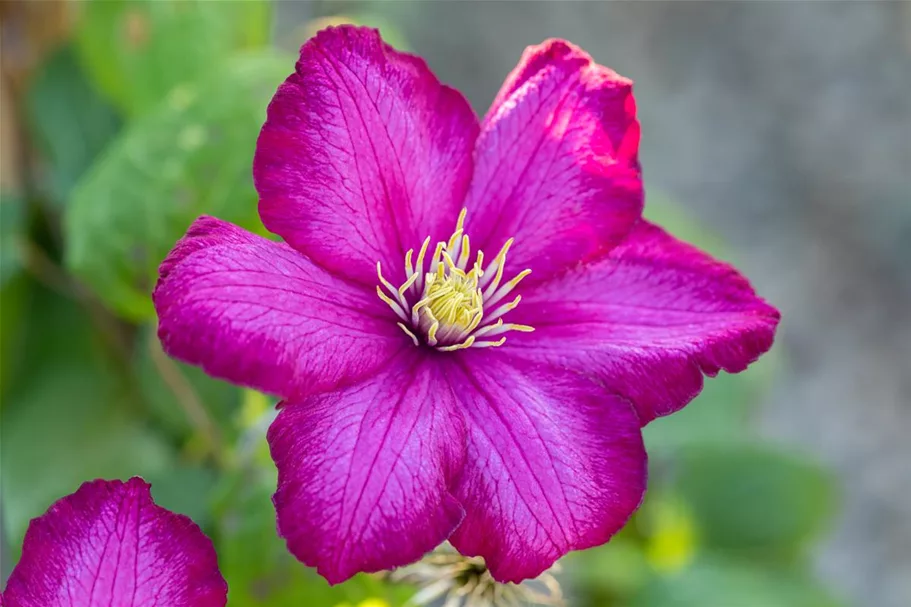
x,y
109,545
468,322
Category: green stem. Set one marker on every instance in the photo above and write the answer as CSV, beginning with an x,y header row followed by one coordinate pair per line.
x,y
189,401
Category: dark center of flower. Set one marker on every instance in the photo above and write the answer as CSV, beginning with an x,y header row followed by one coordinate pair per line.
x,y
451,306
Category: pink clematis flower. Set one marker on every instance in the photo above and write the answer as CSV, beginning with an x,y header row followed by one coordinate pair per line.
x,y
109,545
468,322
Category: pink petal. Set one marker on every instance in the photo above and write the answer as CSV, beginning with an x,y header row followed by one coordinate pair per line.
x,y
556,164
363,155
364,473
648,321
260,314
109,545
554,464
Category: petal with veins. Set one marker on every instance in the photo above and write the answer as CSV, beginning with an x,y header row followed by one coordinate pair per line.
x,y
648,321
364,473
554,464
260,314
109,545
556,163
363,154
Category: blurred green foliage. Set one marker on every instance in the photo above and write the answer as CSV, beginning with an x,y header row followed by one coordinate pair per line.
x,y
753,499
12,218
719,582
191,155
137,51
69,417
148,118
70,122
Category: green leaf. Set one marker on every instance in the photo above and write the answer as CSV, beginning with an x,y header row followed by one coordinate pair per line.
x,y
187,489
191,156
719,414
753,499
69,122
14,296
69,420
13,285
12,226
727,583
616,569
137,51
219,398
252,557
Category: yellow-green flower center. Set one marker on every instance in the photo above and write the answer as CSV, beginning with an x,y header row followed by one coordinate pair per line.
x,y
451,306
455,299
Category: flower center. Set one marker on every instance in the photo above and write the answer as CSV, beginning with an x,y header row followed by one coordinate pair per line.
x,y
451,306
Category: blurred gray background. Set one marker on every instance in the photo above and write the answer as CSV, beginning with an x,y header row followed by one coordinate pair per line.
x,y
786,128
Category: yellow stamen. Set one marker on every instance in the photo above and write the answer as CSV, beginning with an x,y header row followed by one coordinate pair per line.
x,y
465,344
385,283
448,294
466,252
407,285
501,327
476,268
416,311
435,260
419,264
395,307
408,332
499,263
490,344
504,308
489,328
432,333
509,286
409,269
459,229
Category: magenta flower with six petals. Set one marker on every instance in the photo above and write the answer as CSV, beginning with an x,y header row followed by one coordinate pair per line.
x,y
109,545
468,323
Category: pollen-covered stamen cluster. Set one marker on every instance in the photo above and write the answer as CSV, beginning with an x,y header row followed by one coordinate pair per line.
x,y
448,304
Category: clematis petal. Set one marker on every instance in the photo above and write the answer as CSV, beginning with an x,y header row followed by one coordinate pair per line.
x,y
648,321
260,314
554,464
363,473
556,163
363,154
109,545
